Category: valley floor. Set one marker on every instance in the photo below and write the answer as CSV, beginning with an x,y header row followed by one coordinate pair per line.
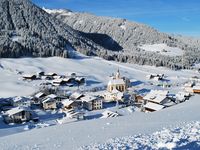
x,y
77,134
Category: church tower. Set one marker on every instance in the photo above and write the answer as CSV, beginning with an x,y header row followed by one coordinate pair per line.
x,y
118,74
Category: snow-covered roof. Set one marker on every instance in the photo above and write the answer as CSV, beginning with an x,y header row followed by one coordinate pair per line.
x,y
109,114
15,110
89,98
57,81
51,74
197,87
156,95
19,98
52,96
67,102
188,84
38,95
76,95
116,82
153,106
57,76
115,93
158,98
80,78
183,94
28,76
48,99
67,79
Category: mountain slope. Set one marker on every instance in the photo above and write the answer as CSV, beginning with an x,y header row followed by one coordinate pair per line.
x,y
27,30
130,36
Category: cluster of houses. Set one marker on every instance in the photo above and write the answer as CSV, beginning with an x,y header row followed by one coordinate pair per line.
x,y
192,87
55,79
20,109
156,77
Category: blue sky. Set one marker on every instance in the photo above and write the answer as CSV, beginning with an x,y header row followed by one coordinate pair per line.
x,y
171,16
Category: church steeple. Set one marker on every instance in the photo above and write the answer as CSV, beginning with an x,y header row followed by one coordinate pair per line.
x,y
118,74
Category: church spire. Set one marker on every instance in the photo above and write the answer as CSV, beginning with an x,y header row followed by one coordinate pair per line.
x,y
118,74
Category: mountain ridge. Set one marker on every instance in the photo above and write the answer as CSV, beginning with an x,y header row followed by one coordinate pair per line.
x,y
131,36
36,33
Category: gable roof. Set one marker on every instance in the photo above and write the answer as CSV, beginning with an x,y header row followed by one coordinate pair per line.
x,y
52,96
116,82
67,102
153,106
76,95
48,99
158,99
196,87
40,94
51,74
156,96
89,98
29,76
16,110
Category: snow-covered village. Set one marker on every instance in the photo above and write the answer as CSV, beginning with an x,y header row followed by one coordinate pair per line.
x,y
98,75
66,98
57,98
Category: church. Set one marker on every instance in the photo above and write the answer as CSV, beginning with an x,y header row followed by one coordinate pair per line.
x,y
117,82
116,88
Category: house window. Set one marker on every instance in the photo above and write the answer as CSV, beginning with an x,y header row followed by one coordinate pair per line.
x,y
23,114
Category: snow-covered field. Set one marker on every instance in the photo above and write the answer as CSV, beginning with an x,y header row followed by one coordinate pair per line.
x,y
97,71
163,49
186,136
83,133
77,134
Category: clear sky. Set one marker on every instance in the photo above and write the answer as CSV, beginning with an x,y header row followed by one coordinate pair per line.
x,y
171,16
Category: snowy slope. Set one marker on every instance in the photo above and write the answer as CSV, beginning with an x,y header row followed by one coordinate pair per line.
x,y
183,137
163,49
97,69
75,135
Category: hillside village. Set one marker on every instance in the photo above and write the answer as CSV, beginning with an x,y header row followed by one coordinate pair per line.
x,y
63,98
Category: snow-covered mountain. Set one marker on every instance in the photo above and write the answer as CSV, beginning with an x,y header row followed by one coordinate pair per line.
x,y
27,30
127,37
